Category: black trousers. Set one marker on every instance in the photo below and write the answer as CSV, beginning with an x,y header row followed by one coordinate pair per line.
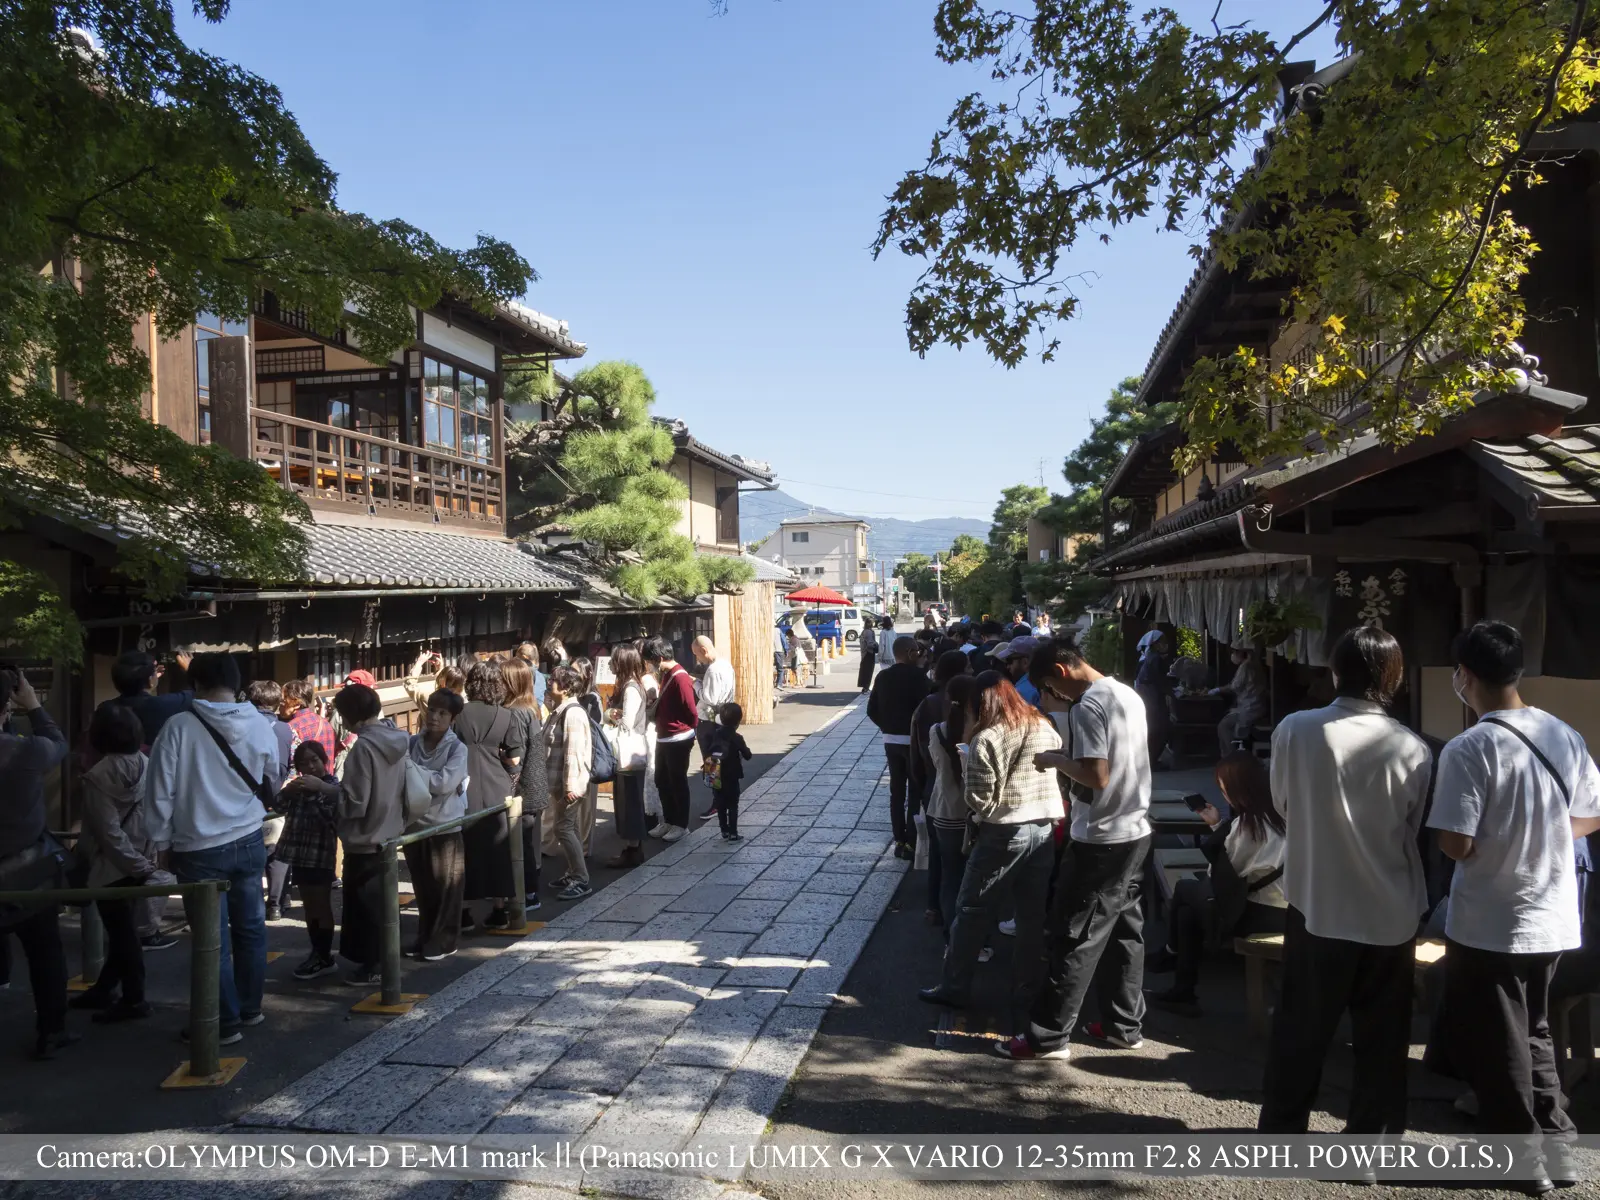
x,y
124,955
1322,977
361,926
869,660
439,875
672,780
1496,1014
40,936
727,804
1189,927
1095,939
899,772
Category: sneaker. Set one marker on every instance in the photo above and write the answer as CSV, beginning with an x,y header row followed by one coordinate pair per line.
x,y
365,977
228,1035
901,850
123,1012
315,966
437,955
1100,1034
660,830
468,921
254,1018
733,837
1009,928
576,890
158,941
1020,1049
985,954
274,913
673,833
709,813
498,919
530,902
46,1045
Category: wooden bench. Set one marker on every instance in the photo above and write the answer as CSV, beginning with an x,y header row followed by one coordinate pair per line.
x,y
1259,949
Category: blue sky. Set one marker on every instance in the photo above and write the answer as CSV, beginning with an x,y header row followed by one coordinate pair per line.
x,y
698,195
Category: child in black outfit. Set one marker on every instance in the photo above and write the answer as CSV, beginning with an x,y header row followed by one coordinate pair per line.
x,y
309,844
729,752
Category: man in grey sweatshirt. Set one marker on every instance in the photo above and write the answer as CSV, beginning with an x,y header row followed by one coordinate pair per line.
x,y
210,813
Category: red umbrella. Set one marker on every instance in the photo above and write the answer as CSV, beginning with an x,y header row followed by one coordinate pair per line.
x,y
818,595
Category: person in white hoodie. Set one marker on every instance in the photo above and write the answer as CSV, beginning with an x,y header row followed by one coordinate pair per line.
x,y
205,795
438,864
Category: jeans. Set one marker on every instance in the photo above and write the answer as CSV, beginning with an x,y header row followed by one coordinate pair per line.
x,y
1009,864
899,757
945,849
1094,916
244,919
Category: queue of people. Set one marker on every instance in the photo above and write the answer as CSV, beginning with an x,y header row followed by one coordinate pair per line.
x,y
1039,811
266,787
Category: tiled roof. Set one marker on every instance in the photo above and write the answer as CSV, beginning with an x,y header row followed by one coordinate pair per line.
x,y
1554,474
769,572
359,556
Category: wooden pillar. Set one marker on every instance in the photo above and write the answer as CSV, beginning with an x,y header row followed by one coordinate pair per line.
x,y
749,649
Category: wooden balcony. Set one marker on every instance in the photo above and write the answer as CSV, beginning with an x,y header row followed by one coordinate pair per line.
x,y
340,469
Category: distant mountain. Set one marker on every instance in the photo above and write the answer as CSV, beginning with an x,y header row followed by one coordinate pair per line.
x,y
889,538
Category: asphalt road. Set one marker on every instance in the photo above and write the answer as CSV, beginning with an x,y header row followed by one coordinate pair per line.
x,y
885,1063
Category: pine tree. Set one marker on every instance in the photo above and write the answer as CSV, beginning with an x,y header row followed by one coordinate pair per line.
x,y
596,468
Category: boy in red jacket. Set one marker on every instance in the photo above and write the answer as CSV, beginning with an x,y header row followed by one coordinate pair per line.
x,y
676,716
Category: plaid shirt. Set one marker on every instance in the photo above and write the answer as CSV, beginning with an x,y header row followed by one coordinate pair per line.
x,y
309,837
308,726
1001,784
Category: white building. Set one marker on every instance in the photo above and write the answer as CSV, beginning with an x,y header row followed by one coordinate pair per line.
x,y
821,548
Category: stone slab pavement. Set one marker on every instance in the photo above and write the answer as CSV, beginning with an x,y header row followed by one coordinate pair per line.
x,y
669,1010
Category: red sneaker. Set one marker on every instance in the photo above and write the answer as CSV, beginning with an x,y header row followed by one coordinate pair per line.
x,y
1019,1049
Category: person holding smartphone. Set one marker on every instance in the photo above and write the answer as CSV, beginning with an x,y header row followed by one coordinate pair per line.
x,y
1243,891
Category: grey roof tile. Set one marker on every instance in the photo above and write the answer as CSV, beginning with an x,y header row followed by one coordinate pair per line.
x,y
357,556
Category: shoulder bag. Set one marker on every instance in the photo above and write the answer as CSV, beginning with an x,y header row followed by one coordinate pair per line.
x,y
258,787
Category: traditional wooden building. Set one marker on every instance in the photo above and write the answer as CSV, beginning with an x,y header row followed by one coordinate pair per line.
x,y
1495,515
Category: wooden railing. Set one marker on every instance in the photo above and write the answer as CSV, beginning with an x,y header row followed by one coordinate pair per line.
x,y
338,466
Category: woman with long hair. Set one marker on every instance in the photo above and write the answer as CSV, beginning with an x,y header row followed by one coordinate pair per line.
x,y
920,769
1243,893
1016,805
628,708
589,700
494,737
528,771
946,810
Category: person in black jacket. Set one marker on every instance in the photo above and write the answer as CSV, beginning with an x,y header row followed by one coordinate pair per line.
x,y
895,695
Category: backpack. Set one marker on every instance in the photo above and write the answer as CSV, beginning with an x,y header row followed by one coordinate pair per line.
x,y
603,757
416,798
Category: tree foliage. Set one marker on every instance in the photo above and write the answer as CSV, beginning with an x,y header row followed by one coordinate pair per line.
x,y
141,176
1090,466
917,575
1381,199
596,468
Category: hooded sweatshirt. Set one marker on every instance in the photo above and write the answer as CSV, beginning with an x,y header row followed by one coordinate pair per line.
x,y
113,838
193,800
372,808
447,776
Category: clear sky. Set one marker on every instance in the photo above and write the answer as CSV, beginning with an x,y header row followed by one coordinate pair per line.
x,y
698,195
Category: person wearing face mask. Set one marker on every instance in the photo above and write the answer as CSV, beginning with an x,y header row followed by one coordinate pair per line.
x,y
1513,793
1351,784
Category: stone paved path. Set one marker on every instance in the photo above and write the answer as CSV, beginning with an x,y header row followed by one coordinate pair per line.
x,y
669,1009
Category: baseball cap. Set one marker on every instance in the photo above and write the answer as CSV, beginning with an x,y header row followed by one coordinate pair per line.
x,y
361,676
1015,647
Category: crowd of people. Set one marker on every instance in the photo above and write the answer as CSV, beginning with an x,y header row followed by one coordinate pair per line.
x,y
274,789
1029,773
